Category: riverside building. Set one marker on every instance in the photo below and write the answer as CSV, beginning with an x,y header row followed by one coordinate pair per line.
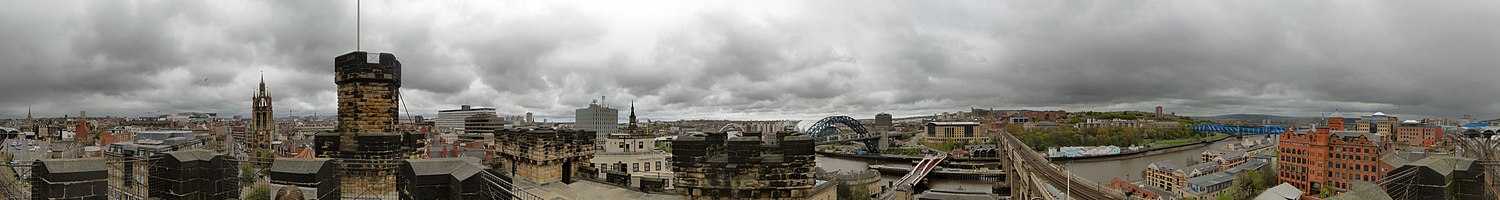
x,y
1328,157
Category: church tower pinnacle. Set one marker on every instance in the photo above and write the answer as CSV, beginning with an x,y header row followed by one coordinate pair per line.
x,y
262,126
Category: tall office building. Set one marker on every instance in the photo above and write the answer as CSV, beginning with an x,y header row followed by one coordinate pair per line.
x,y
454,119
600,119
261,126
366,140
1158,112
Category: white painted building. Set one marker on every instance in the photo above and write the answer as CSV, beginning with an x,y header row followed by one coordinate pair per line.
x,y
454,119
636,155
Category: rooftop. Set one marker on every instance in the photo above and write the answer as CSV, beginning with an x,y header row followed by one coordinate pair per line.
x,y
1211,179
193,155
1284,191
954,123
1167,165
298,165
58,166
1361,190
1444,165
459,168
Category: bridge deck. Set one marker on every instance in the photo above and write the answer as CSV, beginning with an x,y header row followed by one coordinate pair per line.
x,y
1040,167
918,172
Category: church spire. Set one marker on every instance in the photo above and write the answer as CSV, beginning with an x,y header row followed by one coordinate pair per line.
x,y
632,125
262,83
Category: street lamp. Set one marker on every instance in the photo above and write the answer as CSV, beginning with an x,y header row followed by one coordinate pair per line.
x,y
1067,179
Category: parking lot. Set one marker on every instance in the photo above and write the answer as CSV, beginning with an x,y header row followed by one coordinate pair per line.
x,y
23,151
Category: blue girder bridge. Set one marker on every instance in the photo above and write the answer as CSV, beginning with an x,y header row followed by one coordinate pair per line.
x,y
1239,130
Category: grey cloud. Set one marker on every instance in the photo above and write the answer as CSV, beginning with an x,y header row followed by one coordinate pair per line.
x,y
816,58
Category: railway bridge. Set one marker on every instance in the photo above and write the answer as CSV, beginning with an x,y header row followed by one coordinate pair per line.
x,y
1031,176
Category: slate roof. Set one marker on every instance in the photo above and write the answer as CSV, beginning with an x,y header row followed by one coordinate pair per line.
x,y
1211,179
1166,165
1444,165
298,165
459,168
1399,158
1361,190
58,166
193,155
1202,167
1284,191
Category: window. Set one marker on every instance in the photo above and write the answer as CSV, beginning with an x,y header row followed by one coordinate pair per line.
x,y
635,167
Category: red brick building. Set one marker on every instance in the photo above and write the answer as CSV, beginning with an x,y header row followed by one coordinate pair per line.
x,y
1329,157
1045,115
1132,190
1414,133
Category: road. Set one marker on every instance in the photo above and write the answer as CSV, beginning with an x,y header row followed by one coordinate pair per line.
x,y
23,155
1075,186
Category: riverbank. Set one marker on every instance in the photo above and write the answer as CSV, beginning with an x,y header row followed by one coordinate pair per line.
x,y
943,172
1143,153
898,158
1130,167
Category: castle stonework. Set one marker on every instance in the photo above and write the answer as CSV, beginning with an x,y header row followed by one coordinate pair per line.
x,y
751,166
366,142
543,155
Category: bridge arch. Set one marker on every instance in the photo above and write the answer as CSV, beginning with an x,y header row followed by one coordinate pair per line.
x,y
732,127
825,127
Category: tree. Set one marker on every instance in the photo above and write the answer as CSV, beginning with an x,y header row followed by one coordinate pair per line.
x,y
260,192
247,172
1325,191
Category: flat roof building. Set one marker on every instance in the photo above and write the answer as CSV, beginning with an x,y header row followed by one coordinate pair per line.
x,y
454,119
597,118
942,132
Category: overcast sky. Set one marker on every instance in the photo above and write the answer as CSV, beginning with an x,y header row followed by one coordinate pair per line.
x,y
762,59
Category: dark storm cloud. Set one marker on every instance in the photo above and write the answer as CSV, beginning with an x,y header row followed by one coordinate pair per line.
x,y
762,59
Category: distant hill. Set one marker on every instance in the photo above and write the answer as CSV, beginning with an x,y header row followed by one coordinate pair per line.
x,y
1258,117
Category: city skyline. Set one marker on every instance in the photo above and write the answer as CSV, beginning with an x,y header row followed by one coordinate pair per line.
x,y
772,60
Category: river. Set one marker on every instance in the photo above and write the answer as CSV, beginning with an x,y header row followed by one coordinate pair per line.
x,y
1098,171
1130,169
843,164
